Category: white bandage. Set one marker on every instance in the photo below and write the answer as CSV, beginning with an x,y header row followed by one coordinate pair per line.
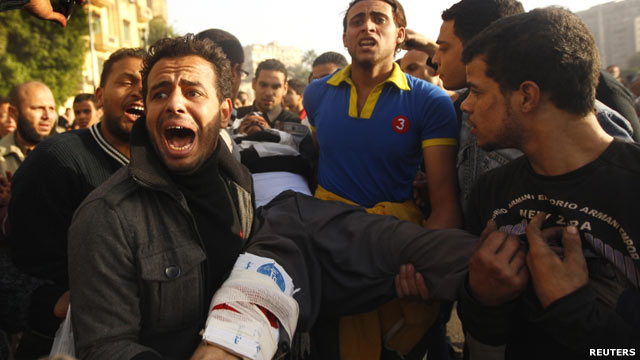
x,y
254,280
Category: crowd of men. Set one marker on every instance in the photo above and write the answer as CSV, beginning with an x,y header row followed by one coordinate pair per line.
x,y
338,218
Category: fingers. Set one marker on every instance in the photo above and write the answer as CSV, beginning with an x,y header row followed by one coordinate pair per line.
x,y
572,246
410,283
57,17
491,227
534,235
422,287
9,175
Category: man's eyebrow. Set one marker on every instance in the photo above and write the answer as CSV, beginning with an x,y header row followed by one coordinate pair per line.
x,y
379,14
440,42
471,85
160,84
190,83
360,14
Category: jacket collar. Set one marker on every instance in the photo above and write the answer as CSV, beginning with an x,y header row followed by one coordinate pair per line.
x,y
396,78
146,167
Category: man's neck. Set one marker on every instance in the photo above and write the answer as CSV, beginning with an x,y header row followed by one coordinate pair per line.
x,y
370,76
121,146
24,145
564,143
274,113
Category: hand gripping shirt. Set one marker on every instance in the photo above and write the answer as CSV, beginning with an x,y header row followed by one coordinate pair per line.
x,y
374,156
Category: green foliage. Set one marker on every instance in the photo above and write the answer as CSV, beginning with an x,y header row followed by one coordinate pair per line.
x,y
159,29
33,49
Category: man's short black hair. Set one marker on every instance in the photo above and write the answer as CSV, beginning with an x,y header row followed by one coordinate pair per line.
x,y
117,56
185,46
331,57
551,47
229,44
472,16
297,86
399,18
4,99
273,65
85,97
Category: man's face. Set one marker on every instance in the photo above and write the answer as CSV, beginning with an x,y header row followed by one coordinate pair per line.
x,y
86,114
7,123
414,63
448,57
292,99
372,35
183,112
121,98
36,114
491,117
323,70
270,86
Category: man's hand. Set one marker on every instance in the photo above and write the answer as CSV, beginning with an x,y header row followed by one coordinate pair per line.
x,y
253,123
5,188
410,283
60,309
206,351
553,277
497,270
42,9
417,41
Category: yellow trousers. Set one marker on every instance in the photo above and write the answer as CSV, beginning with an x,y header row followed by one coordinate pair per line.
x,y
400,323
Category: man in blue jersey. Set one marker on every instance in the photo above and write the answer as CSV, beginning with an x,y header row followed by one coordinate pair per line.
x,y
374,125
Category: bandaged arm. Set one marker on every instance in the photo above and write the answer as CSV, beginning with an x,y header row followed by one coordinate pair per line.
x,y
254,310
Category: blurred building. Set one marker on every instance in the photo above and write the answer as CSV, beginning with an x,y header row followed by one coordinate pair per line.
x,y
290,56
115,24
616,28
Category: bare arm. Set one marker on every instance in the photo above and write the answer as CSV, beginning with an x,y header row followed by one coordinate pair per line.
x,y
443,187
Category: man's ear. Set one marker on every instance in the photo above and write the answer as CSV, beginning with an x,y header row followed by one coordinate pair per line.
x,y
344,39
402,35
226,107
529,96
99,101
254,82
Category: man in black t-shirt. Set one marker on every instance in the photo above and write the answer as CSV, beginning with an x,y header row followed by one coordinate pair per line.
x,y
532,80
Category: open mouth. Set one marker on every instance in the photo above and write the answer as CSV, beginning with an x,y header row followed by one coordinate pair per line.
x,y
179,138
367,43
134,112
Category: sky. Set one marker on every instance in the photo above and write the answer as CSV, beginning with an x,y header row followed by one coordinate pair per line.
x,y
308,25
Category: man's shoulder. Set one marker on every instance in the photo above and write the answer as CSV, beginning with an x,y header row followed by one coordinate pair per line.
x,y
8,146
288,116
113,190
624,155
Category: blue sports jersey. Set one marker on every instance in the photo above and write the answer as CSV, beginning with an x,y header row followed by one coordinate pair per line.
x,y
374,157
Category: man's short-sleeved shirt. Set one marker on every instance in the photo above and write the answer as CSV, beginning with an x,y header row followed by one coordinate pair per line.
x,y
374,156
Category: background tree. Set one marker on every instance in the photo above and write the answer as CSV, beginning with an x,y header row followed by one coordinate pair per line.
x,y
159,29
303,70
32,49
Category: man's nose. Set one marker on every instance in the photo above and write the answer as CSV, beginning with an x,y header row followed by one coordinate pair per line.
x,y
175,102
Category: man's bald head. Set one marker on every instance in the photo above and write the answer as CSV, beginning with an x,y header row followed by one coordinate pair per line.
x,y
34,108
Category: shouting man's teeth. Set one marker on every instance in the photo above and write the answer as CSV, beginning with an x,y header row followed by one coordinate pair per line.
x,y
179,138
367,42
135,111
